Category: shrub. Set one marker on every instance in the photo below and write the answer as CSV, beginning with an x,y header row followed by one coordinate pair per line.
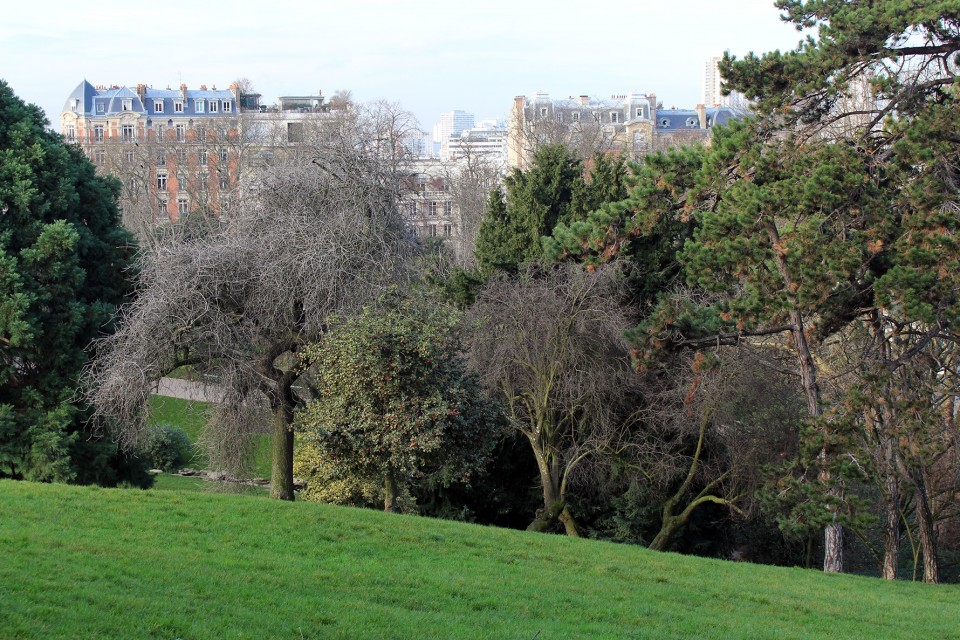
x,y
168,448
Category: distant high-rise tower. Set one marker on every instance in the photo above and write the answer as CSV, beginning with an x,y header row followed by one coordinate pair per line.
x,y
451,125
712,81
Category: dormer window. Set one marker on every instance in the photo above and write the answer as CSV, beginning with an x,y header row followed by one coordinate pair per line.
x,y
691,123
74,104
158,106
226,106
178,106
639,112
128,105
575,116
614,117
213,106
543,112
198,106
99,107
664,123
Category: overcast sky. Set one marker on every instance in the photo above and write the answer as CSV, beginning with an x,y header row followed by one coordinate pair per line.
x,y
430,56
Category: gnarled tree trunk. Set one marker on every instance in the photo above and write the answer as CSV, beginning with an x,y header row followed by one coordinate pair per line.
x,y
281,477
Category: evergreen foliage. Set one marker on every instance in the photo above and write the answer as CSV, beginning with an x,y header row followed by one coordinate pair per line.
x,y
63,263
554,190
394,402
837,205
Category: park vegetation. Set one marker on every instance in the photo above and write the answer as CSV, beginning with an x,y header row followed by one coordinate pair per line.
x,y
747,350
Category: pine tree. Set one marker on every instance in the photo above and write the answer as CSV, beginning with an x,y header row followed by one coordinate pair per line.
x,y
838,204
64,262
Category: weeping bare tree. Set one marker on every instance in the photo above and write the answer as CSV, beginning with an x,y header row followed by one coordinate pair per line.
x,y
311,238
551,347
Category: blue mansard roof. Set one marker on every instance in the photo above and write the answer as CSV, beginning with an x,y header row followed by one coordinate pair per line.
x,y
90,101
676,119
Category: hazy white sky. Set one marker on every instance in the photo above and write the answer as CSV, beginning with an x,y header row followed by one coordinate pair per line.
x,y
428,55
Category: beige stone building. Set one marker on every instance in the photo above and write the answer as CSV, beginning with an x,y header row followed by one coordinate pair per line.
x,y
632,124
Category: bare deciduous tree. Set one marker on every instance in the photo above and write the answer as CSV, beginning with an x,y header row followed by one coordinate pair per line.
x,y
470,179
551,347
311,238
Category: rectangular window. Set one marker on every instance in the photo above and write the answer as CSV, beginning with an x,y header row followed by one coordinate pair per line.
x,y
181,155
227,106
294,132
162,206
198,106
178,106
575,116
447,208
98,133
412,209
159,133
99,107
201,134
639,112
213,106
98,156
560,117
223,155
161,182
71,133
432,208
543,112
447,229
158,106
128,157
126,132
181,132
422,183
223,182
161,158
202,157
614,117
433,231
128,105
181,205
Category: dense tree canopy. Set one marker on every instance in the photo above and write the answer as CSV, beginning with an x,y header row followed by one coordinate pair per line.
x,y
64,261
837,205
320,233
393,399
555,189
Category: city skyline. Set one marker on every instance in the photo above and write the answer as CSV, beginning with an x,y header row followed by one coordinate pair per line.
x,y
429,57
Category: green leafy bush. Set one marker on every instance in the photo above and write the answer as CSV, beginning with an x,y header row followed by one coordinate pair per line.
x,y
169,447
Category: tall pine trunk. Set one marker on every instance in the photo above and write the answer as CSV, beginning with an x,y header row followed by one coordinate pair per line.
x,y
928,536
833,532
891,530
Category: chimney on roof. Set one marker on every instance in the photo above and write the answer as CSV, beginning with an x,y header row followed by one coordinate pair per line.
x,y
702,115
584,101
203,87
183,91
142,92
214,87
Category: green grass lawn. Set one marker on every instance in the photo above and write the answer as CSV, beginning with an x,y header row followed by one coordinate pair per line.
x,y
82,562
191,417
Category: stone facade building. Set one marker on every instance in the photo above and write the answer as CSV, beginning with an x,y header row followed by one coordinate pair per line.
x,y
632,124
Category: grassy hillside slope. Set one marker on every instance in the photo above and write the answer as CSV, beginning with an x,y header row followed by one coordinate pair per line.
x,y
79,562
